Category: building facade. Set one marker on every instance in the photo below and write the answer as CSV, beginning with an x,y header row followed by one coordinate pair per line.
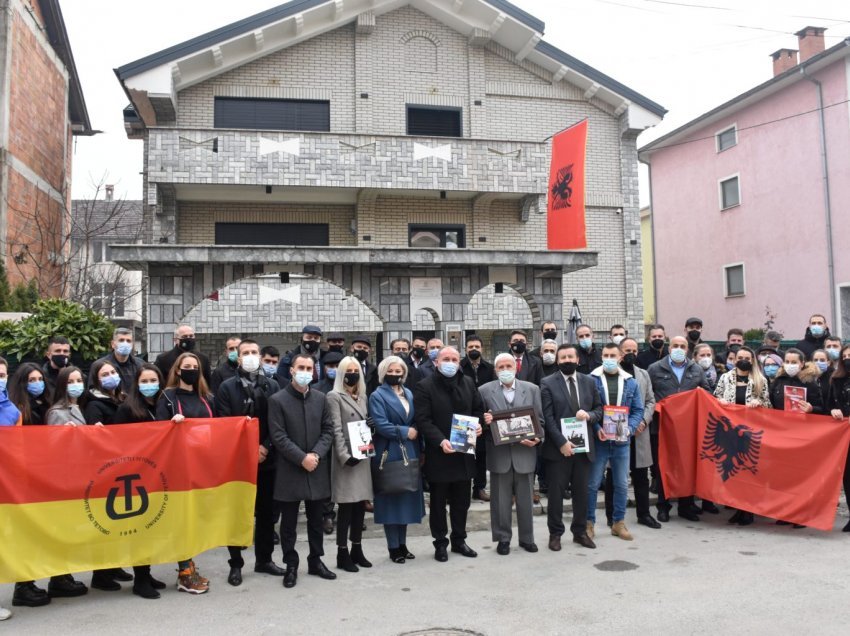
x,y
751,202
41,109
396,150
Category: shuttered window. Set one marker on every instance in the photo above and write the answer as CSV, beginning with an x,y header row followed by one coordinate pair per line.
x,y
273,114
433,122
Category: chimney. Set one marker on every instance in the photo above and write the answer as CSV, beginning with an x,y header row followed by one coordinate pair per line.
x,y
810,41
783,59
110,191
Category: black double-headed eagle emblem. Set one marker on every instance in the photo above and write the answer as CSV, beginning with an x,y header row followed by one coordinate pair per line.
x,y
562,190
732,447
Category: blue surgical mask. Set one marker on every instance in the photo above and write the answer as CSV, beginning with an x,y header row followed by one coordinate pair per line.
x,y
75,390
730,366
303,378
36,388
150,389
3,382
585,343
770,370
233,356
507,376
609,365
269,369
448,369
833,353
110,382
822,365
817,330
330,374
678,355
124,348
433,353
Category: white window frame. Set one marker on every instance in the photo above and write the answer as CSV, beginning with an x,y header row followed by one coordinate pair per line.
x,y
717,134
726,269
720,183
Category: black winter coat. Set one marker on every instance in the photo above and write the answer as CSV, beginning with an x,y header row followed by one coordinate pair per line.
x,y
166,360
233,398
809,344
222,372
100,408
807,378
589,360
650,356
839,395
482,375
186,403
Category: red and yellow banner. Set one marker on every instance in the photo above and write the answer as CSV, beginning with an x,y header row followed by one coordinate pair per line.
x,y
777,464
74,499
565,210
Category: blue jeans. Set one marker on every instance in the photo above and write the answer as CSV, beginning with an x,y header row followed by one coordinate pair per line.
x,y
618,456
396,535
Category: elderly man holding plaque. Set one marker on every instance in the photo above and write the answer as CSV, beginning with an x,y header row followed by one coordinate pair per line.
x,y
511,458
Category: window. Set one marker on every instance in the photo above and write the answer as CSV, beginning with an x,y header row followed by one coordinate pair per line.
x,y
272,114
730,193
450,237
100,252
109,299
727,138
302,234
427,121
734,280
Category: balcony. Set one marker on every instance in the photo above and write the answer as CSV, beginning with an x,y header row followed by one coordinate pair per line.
x,y
331,160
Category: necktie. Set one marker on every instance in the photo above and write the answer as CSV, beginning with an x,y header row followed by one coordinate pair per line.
x,y
571,386
518,365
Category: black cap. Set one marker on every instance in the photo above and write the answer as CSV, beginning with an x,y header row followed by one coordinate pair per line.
x,y
332,357
364,339
335,336
693,321
312,329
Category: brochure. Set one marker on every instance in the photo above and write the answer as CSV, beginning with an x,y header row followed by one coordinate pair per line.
x,y
575,431
615,423
464,433
794,395
360,440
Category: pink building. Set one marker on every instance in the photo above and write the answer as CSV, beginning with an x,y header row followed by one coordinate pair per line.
x,y
751,202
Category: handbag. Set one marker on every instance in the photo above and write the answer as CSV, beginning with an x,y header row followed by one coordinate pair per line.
x,y
396,477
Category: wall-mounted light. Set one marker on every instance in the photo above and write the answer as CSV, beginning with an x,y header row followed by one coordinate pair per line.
x,y
268,189
442,194
284,278
500,288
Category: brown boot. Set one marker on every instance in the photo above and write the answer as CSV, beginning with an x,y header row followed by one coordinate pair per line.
x,y
619,529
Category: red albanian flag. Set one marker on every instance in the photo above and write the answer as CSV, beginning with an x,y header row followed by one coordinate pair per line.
x,y
565,211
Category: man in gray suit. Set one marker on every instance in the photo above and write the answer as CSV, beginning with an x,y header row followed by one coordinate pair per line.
x,y
511,466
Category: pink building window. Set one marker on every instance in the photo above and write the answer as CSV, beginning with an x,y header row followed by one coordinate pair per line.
x,y
730,192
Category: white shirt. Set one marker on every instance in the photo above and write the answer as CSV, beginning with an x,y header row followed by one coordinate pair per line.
x,y
509,392
574,376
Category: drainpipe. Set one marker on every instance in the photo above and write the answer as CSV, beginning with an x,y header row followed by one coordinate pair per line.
x,y
826,200
656,320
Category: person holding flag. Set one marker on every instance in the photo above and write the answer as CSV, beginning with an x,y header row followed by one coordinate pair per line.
x,y
839,407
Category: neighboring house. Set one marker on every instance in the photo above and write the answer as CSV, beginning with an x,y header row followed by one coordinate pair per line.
x,y
647,259
41,109
751,201
401,147
96,281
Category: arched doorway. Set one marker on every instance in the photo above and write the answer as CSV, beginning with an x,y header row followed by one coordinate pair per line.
x,y
496,310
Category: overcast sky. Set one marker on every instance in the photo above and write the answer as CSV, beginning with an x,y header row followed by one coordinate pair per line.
x,y
688,56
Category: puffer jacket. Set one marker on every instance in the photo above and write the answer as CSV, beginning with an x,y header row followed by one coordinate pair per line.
x,y
807,378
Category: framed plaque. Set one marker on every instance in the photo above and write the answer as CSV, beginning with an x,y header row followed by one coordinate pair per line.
x,y
515,425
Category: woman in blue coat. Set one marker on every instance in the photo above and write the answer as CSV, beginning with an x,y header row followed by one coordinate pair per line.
x,y
391,409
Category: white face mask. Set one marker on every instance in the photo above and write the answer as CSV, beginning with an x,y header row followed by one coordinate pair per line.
x,y
792,369
548,359
250,363
617,340
705,363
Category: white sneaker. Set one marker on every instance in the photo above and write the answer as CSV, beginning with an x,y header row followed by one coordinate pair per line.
x,y
4,614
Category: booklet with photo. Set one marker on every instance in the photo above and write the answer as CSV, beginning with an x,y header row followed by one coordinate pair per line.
x,y
615,423
575,431
360,440
464,433
794,395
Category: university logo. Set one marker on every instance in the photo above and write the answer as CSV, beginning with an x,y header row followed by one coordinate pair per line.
x,y
732,447
562,190
129,511
128,495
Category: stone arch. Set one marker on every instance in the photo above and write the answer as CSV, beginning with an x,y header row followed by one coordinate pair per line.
x,y
425,319
514,308
420,51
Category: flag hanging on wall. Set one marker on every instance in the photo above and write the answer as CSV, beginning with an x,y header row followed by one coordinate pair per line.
x,y
565,211
74,499
778,464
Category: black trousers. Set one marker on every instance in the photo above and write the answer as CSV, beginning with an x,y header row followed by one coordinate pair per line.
x,y
572,472
328,510
685,503
653,444
351,517
457,494
640,483
288,534
265,514
480,481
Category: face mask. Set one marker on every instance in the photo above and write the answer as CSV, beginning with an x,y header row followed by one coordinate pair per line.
x,y
110,382
351,379
35,389
433,353
822,365
303,378
474,354
518,347
548,359
330,373
658,344
744,365
310,346
585,343
232,356
418,353
617,340
568,368
730,366
694,335
833,353
609,365
392,380
770,370
507,376
59,361
149,390
186,344
678,355
361,355
817,330
3,383
269,369
124,348
792,370
705,363
550,334
448,369
629,360
846,365
250,363
734,348
75,390
190,376
336,348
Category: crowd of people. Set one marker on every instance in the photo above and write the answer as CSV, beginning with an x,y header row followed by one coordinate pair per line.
x,y
305,398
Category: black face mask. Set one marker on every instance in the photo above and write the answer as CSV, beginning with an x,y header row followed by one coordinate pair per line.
x,y
550,335
310,346
628,361
744,365
846,364
190,376
474,354
186,344
361,355
392,380
568,368
694,335
418,353
351,379
518,347
657,344
59,361
335,348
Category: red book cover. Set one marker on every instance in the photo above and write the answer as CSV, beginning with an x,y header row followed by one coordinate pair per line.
x,y
793,396
615,423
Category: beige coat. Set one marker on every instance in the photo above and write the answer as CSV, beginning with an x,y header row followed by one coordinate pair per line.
x,y
349,484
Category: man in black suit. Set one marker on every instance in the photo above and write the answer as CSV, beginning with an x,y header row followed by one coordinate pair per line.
x,y
568,394
589,356
529,368
184,341
656,349
477,369
414,361
361,347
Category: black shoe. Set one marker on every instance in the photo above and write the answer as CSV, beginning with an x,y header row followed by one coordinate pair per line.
x,y
406,553
649,522
276,538
29,595
120,574
269,568
344,562
100,580
503,548
747,519
464,550
797,526
584,541
358,557
664,516
157,585
780,522
143,587
610,523
290,577
440,554
690,515
528,547
710,508
328,525
846,528
653,486
235,577
320,569
65,586
568,494
396,555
